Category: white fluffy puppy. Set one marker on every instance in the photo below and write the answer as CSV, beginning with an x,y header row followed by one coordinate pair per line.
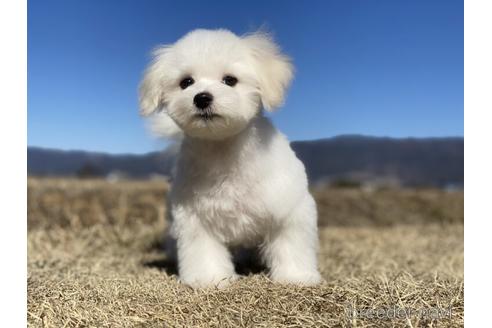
x,y
237,181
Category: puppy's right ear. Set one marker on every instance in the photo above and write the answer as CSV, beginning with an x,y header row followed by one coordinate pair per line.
x,y
152,86
275,70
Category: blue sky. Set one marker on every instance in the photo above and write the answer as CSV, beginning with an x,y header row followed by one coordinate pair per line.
x,y
383,68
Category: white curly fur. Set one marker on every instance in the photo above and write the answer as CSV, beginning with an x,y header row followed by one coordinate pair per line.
x,y
237,181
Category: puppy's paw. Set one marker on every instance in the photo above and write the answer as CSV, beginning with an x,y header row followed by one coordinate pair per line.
x,y
305,278
211,282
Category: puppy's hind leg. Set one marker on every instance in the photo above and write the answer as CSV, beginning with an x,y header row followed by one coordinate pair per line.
x,y
290,251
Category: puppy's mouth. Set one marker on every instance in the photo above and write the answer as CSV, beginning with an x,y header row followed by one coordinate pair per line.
x,y
206,115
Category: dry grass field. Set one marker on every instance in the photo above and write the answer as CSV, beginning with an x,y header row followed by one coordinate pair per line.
x,y
390,258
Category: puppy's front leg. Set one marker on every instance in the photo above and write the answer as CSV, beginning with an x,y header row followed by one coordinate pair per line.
x,y
203,261
290,251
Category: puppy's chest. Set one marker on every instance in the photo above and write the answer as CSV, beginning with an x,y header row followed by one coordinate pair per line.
x,y
228,205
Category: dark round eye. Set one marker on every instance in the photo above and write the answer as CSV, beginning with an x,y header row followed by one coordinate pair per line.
x,y
229,80
186,82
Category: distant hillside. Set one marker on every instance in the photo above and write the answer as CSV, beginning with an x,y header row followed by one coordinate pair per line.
x,y
52,162
411,162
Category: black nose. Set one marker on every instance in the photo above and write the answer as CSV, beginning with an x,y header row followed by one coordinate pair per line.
x,y
203,100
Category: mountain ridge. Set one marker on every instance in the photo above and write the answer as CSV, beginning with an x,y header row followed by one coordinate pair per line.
x,y
430,161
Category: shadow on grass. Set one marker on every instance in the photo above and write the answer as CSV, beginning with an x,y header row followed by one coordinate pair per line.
x,y
169,266
246,262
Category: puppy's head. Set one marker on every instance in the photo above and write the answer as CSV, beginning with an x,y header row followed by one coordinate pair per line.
x,y
211,83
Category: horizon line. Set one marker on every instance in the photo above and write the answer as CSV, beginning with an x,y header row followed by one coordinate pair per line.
x,y
170,142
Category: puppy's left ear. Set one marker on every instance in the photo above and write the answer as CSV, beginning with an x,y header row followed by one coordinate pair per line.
x,y
152,85
274,69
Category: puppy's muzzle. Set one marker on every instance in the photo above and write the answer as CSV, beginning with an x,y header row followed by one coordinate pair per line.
x,y
202,100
